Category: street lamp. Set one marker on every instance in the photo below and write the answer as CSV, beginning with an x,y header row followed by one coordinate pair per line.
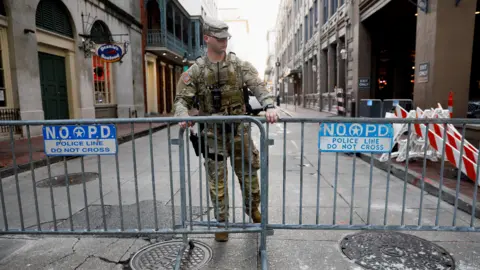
x,y
277,65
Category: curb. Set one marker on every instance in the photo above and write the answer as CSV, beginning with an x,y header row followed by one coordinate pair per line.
x,y
431,187
9,171
285,112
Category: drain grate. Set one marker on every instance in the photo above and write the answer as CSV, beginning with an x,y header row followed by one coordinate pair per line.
x,y
393,250
73,179
163,256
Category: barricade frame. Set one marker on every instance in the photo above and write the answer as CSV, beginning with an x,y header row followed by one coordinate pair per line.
x,y
183,227
265,141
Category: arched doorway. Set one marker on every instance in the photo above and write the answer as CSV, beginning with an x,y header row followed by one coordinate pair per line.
x,y
52,16
104,94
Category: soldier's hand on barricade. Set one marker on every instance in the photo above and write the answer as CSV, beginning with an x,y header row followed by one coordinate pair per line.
x,y
271,115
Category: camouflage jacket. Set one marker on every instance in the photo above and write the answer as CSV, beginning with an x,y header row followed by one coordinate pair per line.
x,y
230,74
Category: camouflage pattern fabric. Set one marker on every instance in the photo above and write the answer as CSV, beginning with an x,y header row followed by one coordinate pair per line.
x,y
229,74
194,86
218,171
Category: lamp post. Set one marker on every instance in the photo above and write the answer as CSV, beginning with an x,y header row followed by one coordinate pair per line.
x,y
344,55
277,84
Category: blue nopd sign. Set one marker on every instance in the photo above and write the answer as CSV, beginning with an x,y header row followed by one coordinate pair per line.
x,y
355,137
110,52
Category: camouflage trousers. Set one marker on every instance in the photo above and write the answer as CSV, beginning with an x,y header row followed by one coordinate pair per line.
x,y
244,165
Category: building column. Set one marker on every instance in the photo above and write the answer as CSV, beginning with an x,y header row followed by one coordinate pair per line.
x,y
341,65
164,88
323,79
361,58
304,82
444,44
332,79
23,53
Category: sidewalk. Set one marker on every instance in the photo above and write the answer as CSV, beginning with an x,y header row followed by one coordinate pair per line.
x,y
39,159
293,111
415,171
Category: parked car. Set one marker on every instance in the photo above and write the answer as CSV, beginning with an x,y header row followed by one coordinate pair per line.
x,y
473,109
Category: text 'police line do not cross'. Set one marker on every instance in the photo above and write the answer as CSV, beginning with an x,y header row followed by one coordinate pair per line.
x,y
348,137
74,140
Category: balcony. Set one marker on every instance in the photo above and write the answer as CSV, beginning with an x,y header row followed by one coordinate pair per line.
x,y
158,41
157,38
172,33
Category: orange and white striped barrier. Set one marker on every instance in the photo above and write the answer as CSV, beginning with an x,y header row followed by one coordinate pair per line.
x,y
472,154
468,167
458,135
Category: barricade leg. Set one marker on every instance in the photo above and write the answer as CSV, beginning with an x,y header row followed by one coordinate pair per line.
x,y
183,199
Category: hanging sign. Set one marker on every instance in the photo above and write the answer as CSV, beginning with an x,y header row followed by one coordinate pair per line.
x,y
110,53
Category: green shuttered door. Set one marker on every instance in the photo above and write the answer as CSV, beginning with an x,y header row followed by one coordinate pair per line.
x,y
54,86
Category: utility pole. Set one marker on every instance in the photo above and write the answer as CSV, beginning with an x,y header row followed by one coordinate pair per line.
x,y
277,84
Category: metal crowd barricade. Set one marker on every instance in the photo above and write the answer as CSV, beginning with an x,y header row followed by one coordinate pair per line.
x,y
325,191
341,193
130,193
370,108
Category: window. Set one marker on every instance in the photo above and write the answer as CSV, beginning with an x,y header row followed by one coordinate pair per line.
x,y
2,9
312,23
325,11
334,6
306,28
315,6
3,90
102,77
53,16
102,71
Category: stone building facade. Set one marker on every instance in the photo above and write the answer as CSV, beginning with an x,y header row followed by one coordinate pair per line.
x,y
49,70
378,49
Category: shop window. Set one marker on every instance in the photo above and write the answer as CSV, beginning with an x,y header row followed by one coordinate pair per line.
x,y
102,71
102,80
2,8
3,89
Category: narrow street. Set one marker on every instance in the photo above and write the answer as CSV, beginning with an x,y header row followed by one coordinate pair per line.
x,y
305,202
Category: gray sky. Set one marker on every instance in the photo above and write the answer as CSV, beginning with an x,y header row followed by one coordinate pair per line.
x,y
262,15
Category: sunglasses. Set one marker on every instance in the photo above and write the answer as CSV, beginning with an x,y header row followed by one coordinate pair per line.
x,y
220,39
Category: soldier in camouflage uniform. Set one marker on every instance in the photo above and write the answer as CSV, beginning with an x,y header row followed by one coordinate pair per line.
x,y
225,73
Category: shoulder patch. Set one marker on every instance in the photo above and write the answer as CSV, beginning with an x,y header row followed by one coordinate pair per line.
x,y
186,78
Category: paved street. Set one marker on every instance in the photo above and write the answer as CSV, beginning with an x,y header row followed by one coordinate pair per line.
x,y
287,249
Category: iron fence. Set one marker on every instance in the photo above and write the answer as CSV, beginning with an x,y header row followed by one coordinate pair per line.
x,y
9,114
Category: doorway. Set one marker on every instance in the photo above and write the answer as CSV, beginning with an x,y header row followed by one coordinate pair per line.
x,y
53,83
393,34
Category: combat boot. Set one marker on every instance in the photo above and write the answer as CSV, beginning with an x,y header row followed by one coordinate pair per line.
x,y
256,215
222,236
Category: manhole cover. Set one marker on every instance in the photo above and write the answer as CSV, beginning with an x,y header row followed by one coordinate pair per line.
x,y
163,256
73,179
393,250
